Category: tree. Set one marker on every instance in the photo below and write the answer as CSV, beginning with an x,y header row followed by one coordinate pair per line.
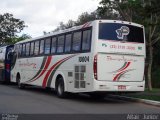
x,y
15,39
83,18
70,24
146,12
152,22
120,9
9,27
86,17
61,26
106,10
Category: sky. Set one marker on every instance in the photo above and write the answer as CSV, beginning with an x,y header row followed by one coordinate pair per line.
x,y
45,15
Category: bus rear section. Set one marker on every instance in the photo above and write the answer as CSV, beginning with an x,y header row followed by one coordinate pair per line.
x,y
120,57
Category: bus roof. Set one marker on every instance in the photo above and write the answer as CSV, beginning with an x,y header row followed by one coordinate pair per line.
x,y
79,27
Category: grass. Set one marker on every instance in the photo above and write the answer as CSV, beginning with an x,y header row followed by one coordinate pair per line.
x,y
154,90
149,95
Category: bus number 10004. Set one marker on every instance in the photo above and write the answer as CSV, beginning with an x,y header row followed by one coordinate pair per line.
x,y
84,59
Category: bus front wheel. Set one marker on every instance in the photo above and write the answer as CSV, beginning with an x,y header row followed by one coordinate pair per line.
x,y
20,85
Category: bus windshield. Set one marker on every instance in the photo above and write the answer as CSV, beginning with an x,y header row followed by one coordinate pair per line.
x,y
121,32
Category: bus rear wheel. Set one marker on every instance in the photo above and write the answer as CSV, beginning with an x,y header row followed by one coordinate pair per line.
x,y
20,85
60,88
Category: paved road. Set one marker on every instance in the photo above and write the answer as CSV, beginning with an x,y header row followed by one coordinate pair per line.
x,y
35,100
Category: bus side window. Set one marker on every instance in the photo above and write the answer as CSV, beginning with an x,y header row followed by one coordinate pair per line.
x,y
47,46
41,47
68,43
16,48
24,50
32,49
53,47
27,49
86,40
76,45
20,50
36,48
9,54
60,46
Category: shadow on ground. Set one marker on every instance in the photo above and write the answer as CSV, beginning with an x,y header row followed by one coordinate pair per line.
x,y
81,97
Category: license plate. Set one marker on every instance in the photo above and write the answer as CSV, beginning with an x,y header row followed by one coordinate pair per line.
x,y
121,87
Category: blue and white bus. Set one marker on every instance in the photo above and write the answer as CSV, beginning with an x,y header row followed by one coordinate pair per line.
x,y
5,62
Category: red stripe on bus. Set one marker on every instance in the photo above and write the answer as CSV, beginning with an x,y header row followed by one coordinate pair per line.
x,y
45,68
47,62
49,72
55,69
115,78
125,67
40,70
86,25
52,68
121,71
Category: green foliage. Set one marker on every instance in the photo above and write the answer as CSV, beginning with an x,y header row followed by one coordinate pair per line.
x,y
9,27
156,54
83,18
127,10
156,66
86,17
107,10
63,26
148,97
154,94
15,39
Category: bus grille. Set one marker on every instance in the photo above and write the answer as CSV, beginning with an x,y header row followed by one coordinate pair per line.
x,y
80,76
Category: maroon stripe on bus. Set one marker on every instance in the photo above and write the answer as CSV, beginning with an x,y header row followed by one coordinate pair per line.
x,y
41,68
121,71
55,69
45,68
125,67
44,84
49,72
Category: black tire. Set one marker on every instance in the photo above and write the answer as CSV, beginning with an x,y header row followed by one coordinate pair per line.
x,y
60,88
20,85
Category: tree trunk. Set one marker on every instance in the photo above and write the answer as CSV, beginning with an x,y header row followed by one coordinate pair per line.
x,y
150,55
150,60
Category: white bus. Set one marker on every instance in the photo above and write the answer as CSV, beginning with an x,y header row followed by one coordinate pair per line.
x,y
99,56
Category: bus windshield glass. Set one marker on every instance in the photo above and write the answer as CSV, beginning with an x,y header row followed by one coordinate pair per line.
x,y
121,32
